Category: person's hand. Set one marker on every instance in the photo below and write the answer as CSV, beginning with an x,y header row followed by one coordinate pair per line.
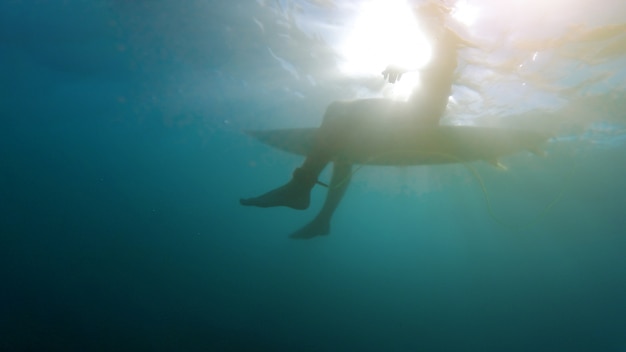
x,y
393,73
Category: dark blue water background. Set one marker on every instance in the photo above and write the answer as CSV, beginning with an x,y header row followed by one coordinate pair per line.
x,y
122,162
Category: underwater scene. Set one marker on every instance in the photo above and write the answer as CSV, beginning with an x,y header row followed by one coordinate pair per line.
x,y
313,175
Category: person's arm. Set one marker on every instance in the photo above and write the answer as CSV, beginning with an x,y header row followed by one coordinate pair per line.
x,y
460,42
453,41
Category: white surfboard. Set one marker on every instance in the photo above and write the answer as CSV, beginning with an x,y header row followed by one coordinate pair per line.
x,y
415,146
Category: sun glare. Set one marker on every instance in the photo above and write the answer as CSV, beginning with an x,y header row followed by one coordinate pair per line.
x,y
465,13
384,33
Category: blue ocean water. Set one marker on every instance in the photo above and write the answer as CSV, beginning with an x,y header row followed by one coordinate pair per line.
x,y
123,160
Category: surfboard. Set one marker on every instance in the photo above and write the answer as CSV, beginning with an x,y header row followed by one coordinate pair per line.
x,y
410,146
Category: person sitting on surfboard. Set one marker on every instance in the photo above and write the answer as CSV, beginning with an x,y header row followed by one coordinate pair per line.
x,y
344,119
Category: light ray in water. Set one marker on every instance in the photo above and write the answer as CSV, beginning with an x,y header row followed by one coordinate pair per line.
x,y
465,13
384,33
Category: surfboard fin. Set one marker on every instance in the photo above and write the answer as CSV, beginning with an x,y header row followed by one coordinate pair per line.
x,y
537,152
496,163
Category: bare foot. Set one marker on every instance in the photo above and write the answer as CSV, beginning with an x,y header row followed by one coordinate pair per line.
x,y
317,227
292,195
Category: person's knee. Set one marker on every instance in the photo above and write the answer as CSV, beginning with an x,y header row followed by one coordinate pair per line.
x,y
334,111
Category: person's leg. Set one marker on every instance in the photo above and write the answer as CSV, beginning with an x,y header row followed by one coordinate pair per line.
x,y
320,225
296,193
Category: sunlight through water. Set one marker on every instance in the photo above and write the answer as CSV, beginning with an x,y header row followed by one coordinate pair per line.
x,y
465,13
385,33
